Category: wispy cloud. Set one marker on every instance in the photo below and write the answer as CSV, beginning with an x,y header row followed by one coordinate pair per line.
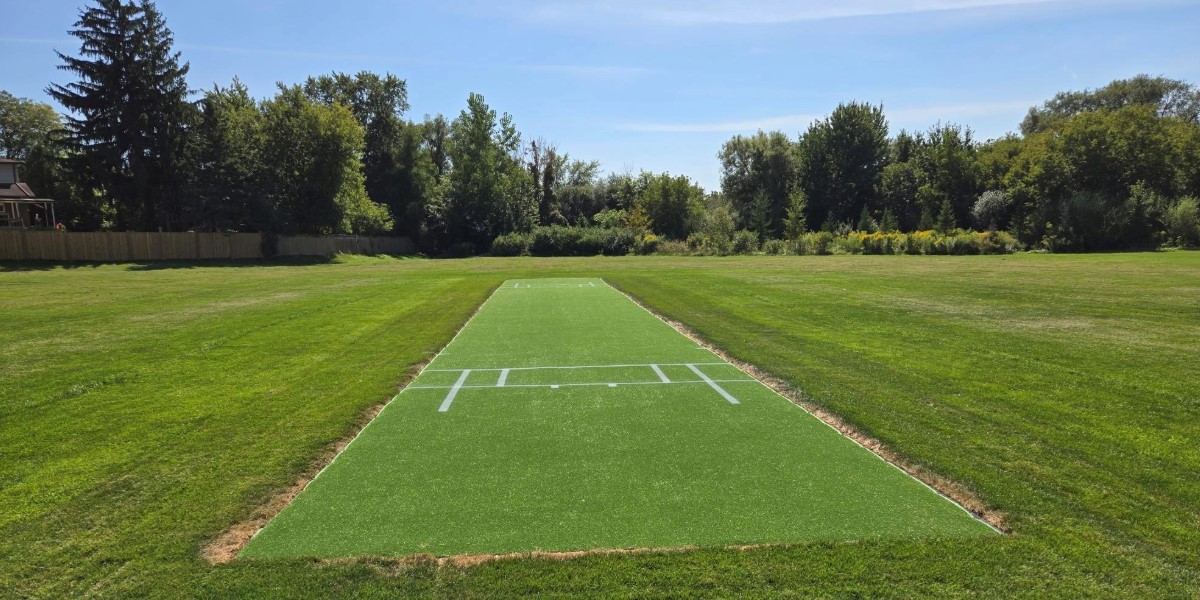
x,y
753,12
908,116
572,70
767,123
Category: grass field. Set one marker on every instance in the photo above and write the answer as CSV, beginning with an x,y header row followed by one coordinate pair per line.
x,y
146,409
564,417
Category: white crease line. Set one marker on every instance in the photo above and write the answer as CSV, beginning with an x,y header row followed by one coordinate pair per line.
x,y
704,364
454,391
724,394
660,374
503,378
558,385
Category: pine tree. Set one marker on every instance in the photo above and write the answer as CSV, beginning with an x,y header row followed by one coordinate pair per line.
x,y
796,224
132,110
889,223
866,224
926,221
946,222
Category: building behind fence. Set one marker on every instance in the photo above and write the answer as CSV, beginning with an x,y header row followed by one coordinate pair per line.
x,y
110,246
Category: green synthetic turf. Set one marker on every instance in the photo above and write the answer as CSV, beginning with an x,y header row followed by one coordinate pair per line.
x,y
613,457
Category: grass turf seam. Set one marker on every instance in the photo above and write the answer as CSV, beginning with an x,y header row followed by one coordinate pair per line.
x,y
949,489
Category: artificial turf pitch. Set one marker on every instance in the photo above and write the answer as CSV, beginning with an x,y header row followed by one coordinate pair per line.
x,y
565,417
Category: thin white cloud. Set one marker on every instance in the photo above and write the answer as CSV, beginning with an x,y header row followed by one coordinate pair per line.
x,y
785,122
585,71
919,116
956,112
754,12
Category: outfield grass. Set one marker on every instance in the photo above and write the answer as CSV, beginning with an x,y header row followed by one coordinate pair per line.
x,y
145,410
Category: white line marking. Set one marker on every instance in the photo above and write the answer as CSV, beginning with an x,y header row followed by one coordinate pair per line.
x,y
517,285
592,283
809,413
612,385
503,378
555,386
530,286
454,391
724,394
660,374
703,364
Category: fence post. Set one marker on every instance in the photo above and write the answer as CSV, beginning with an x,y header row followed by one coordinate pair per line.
x,y
24,246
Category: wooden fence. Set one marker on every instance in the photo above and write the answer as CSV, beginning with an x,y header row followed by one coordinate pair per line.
x,y
328,245
107,246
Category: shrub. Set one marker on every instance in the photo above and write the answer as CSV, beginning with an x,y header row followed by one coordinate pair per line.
x,y
511,244
557,240
991,209
647,244
774,247
818,242
673,248
745,242
1182,222
611,218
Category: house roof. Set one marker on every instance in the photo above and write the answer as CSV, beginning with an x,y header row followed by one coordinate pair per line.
x,y
11,161
17,191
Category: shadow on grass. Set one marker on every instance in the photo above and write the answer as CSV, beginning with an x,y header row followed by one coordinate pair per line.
x,y
287,261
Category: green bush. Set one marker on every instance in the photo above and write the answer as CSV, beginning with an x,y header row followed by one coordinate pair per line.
x,y
745,242
958,242
775,247
673,248
1182,222
557,240
511,244
647,243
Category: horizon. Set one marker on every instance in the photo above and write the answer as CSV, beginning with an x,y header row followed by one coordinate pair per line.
x,y
659,85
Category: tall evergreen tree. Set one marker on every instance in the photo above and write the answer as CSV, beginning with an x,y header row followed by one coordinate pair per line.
x,y
130,110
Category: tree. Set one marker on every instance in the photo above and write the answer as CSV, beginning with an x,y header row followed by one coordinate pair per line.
x,y
945,220
396,172
312,173
133,113
489,191
25,125
991,209
898,187
866,223
840,161
758,174
1167,97
888,223
436,132
229,161
950,167
670,203
796,223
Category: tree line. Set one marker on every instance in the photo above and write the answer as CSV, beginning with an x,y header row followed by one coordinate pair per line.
x,y
1116,167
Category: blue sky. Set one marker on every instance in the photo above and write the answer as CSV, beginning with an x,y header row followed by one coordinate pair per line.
x,y
658,84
